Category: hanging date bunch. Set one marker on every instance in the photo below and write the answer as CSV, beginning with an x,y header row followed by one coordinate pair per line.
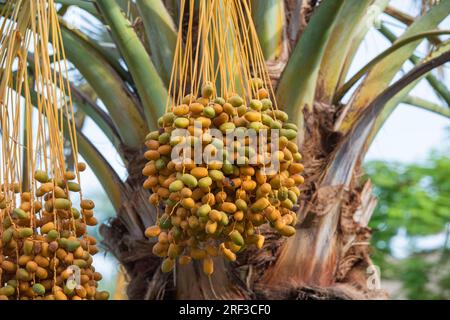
x,y
45,252
225,160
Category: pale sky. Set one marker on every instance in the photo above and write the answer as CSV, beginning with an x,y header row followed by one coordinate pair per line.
x,y
410,133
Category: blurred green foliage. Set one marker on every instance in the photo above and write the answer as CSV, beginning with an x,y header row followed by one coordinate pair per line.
x,y
413,201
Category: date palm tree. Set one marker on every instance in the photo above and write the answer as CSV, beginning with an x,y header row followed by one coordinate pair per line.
x,y
121,65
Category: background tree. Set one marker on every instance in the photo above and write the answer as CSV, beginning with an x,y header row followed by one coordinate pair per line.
x,y
309,47
413,202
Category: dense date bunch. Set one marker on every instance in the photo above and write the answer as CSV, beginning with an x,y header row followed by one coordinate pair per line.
x,y
216,207
44,243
